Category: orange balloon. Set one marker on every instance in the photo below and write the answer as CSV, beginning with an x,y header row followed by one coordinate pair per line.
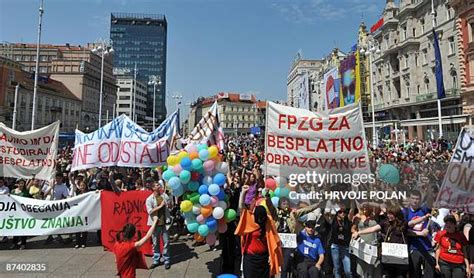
x,y
206,211
217,159
193,155
198,237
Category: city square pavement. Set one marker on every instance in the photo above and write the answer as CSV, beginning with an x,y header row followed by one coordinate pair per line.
x,y
64,261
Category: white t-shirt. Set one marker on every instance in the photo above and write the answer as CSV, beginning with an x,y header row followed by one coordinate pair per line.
x,y
60,191
4,190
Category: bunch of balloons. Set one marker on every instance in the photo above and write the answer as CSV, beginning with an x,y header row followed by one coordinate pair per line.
x,y
199,176
277,188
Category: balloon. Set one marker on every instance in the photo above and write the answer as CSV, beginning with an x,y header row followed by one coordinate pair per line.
x,y
222,167
275,201
281,181
186,163
219,179
211,222
214,189
172,160
200,218
213,229
203,189
206,211
209,165
177,169
197,209
196,164
222,227
203,154
193,185
195,198
193,227
186,206
213,151
195,176
174,183
207,180
168,174
191,148
270,183
284,192
181,155
201,147
218,213
178,191
211,239
164,168
389,174
214,201
221,195
230,215
222,205
194,155
198,237
203,230
185,176
272,193
277,192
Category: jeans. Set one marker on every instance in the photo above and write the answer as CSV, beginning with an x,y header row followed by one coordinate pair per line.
x,y
424,258
287,260
307,268
341,253
449,270
158,233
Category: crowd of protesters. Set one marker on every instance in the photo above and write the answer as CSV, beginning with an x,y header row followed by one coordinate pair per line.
x,y
440,241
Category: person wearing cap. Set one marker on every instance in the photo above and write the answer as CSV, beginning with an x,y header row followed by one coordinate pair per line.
x,y
310,252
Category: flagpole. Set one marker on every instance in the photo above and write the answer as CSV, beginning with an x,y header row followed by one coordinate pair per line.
x,y
440,124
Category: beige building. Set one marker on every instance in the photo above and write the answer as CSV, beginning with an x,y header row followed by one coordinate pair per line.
x,y
125,94
403,72
299,68
78,69
54,100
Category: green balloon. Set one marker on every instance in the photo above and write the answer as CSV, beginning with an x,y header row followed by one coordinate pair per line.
x,y
164,167
194,198
272,194
230,215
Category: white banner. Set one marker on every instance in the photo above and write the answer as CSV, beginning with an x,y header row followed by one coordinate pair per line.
x,y
331,88
123,143
288,240
457,191
303,92
208,130
28,153
298,141
21,216
245,97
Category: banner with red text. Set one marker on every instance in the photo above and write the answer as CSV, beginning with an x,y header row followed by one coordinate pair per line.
x,y
299,140
457,191
28,153
207,130
119,209
124,143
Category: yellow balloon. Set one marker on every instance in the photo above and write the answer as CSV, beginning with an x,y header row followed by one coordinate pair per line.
x,y
172,160
182,155
186,206
213,151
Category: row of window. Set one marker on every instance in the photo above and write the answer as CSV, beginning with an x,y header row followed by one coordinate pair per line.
x,y
26,58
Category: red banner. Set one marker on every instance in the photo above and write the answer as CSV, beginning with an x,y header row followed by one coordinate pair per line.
x,y
377,25
119,209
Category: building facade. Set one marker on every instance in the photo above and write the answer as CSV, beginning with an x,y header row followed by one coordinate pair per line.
x,y
299,68
404,82
127,85
54,101
141,39
78,69
464,10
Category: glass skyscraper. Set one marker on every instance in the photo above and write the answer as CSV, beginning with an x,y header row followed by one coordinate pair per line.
x,y
141,39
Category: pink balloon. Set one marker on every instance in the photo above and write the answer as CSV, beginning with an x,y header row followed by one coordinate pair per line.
x,y
214,201
200,219
222,227
177,169
192,148
209,165
270,183
211,239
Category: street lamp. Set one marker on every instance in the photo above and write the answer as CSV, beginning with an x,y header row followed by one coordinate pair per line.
x,y
35,88
154,80
178,99
372,48
103,48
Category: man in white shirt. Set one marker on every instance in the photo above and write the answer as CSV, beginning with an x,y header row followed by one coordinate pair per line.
x,y
56,190
3,187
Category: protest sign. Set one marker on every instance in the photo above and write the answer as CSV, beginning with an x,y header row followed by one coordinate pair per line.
x,y
298,141
457,191
28,153
123,208
123,143
288,240
208,130
21,216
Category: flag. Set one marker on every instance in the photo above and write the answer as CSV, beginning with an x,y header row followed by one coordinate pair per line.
x,y
438,68
354,48
357,77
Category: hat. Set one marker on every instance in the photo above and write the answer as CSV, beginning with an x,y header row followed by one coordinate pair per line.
x,y
310,223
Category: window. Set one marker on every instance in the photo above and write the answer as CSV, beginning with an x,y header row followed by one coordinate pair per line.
x,y
422,25
416,60
418,89
124,105
452,45
427,86
449,12
425,56
407,89
405,61
471,31
413,32
404,32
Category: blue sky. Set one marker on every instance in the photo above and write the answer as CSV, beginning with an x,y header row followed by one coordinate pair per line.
x,y
213,45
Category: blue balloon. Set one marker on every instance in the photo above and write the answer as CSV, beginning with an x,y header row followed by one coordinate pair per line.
x,y
205,199
219,179
185,176
189,216
284,192
227,276
275,201
211,222
207,180
193,186
178,191
196,164
204,154
193,227
174,182
203,189
203,230
213,229
202,147
168,174
277,192
221,195
186,163
214,189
